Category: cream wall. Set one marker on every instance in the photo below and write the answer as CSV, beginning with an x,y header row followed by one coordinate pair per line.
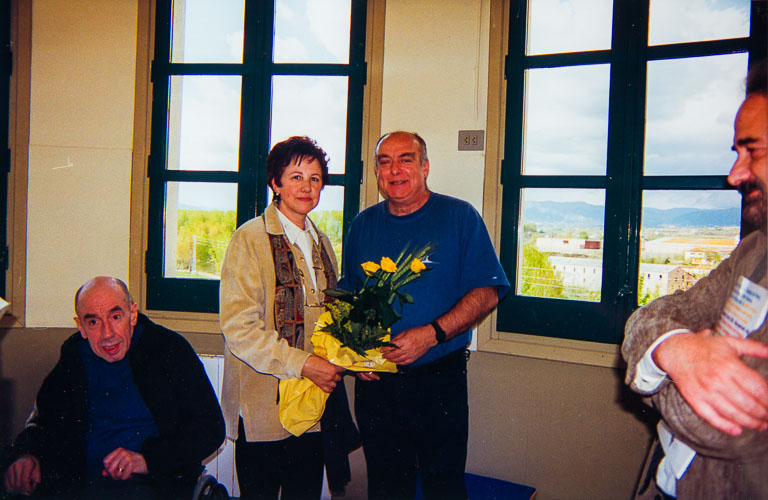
x,y
436,83
81,130
557,426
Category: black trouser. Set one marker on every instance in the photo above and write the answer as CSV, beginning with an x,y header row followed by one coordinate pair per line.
x,y
294,464
414,424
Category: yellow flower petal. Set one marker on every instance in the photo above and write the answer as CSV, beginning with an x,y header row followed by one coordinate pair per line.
x,y
417,266
388,265
370,268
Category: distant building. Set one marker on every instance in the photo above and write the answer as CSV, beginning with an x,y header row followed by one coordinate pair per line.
x,y
665,247
569,246
587,274
578,272
665,279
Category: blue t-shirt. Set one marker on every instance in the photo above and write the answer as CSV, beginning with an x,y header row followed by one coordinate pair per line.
x,y
464,259
117,415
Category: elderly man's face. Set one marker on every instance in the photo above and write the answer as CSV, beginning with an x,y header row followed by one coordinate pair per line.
x,y
106,319
401,177
750,171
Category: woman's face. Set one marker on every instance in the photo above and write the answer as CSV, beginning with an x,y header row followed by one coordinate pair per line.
x,y
300,189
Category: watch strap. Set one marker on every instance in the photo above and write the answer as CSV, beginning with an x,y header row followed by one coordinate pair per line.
x,y
439,332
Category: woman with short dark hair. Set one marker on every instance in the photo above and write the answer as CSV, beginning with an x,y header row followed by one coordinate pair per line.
x,y
272,280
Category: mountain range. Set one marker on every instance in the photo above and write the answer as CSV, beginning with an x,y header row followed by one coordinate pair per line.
x,y
578,213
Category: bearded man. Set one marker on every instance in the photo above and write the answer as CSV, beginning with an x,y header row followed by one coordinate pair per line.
x,y
711,389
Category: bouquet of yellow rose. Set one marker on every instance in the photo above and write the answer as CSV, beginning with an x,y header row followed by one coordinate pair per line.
x,y
361,320
351,332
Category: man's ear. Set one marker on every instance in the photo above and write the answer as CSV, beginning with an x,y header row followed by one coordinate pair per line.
x,y
80,327
134,314
426,169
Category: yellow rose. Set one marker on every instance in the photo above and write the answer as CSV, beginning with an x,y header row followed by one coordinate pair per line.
x,y
370,268
388,265
417,266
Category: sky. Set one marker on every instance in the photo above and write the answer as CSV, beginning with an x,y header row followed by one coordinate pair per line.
x,y
305,31
690,108
691,103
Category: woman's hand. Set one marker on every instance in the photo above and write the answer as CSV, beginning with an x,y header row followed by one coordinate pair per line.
x,y
323,373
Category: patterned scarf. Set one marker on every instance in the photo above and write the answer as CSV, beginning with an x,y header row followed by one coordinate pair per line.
x,y
289,293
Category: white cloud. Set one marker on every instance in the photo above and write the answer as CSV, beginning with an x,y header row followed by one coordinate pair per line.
x,y
290,49
569,25
676,21
235,43
691,106
329,22
312,106
567,120
284,11
210,123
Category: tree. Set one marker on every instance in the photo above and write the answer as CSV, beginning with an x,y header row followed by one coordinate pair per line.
x,y
213,229
537,277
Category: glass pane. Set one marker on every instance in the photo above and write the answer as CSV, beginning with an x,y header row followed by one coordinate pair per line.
x,y
204,122
315,106
675,21
566,121
312,31
329,215
691,105
556,26
681,242
200,218
207,32
561,244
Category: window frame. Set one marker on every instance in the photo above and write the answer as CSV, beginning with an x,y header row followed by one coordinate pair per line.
x,y
15,193
198,295
599,324
6,69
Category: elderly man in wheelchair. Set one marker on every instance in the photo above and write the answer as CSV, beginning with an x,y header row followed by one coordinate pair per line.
x,y
127,412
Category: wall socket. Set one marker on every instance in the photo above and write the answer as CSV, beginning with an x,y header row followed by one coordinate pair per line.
x,y
471,140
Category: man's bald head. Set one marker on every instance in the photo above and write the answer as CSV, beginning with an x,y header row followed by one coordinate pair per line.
x,y
116,283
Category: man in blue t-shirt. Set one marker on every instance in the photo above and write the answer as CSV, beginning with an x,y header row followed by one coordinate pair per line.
x,y
414,423
127,412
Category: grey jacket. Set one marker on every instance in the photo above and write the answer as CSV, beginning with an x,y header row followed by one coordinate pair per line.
x,y
725,466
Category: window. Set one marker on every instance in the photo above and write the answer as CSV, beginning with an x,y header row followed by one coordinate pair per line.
x,y
616,151
230,79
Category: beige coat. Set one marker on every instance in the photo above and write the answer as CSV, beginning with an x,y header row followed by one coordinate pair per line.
x,y
255,359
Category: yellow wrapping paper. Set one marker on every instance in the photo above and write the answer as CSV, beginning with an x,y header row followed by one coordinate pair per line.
x,y
302,402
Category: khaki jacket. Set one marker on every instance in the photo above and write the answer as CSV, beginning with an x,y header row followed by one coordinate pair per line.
x,y
255,359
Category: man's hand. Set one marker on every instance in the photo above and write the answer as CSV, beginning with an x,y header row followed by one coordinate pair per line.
x,y
323,373
367,376
712,378
411,345
23,475
122,464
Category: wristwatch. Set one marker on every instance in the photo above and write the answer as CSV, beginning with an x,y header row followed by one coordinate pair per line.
x,y
439,332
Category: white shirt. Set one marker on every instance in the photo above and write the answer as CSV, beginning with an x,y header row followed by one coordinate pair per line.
x,y
305,239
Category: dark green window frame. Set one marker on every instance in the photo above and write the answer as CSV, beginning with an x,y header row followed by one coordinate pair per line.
x,y
256,70
6,63
624,181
